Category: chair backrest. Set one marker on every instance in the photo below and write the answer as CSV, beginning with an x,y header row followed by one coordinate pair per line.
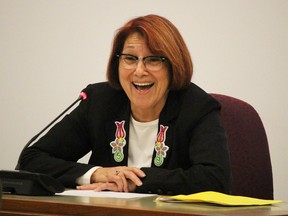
x,y
248,146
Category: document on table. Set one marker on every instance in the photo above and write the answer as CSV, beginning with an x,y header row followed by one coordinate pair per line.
x,y
218,198
91,193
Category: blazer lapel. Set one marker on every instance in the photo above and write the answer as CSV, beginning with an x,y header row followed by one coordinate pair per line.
x,y
117,131
164,140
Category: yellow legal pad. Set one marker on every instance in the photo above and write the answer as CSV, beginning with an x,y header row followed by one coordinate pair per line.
x,y
218,198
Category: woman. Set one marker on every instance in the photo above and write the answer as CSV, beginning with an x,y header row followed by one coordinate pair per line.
x,y
149,128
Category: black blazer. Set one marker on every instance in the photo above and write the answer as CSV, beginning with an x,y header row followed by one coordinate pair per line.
x,y
197,158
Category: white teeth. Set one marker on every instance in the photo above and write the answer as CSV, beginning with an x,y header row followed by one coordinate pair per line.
x,y
142,84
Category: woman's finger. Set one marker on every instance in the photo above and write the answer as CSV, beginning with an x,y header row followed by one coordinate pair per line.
x,y
134,178
99,186
105,186
86,187
138,172
121,181
128,173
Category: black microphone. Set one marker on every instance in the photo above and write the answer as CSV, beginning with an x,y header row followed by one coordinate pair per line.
x,y
27,183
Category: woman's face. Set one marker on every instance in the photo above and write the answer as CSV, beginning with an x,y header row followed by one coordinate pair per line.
x,y
147,90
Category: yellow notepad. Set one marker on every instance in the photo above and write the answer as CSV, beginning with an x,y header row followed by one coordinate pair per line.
x,y
218,198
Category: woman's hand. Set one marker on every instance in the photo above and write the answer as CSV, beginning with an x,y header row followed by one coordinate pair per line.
x,y
115,179
111,186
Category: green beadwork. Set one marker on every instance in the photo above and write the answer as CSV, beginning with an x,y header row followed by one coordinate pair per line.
x,y
158,160
118,156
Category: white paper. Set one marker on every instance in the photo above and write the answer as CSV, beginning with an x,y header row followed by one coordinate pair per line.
x,y
91,193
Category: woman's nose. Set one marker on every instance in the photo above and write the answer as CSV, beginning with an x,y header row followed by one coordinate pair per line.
x,y
140,69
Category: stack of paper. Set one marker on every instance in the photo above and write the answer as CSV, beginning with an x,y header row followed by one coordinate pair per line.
x,y
218,198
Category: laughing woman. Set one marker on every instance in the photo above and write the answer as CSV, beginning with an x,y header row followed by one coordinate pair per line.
x,y
149,128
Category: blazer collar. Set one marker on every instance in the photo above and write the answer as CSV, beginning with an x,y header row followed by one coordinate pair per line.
x,y
171,108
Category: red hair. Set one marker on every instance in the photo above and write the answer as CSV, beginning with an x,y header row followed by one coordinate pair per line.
x,y
163,39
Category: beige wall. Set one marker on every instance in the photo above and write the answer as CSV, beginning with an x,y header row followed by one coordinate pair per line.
x,y
51,49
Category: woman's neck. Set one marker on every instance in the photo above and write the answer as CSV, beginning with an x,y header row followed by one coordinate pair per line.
x,y
145,115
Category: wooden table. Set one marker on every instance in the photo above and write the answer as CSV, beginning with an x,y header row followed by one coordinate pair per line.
x,y
73,205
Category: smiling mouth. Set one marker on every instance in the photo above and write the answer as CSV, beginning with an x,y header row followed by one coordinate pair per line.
x,y
143,86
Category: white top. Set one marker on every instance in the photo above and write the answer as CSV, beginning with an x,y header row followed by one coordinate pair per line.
x,y
142,137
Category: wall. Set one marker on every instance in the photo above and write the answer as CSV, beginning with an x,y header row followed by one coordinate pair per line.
x,y
51,49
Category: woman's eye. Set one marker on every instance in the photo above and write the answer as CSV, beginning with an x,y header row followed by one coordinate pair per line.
x,y
153,59
130,58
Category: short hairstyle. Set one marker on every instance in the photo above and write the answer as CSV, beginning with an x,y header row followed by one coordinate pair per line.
x,y
163,39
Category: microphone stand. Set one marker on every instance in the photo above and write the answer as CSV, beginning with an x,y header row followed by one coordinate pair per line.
x,y
44,129
27,183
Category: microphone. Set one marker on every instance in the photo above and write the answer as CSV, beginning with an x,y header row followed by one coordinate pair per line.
x,y
27,183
